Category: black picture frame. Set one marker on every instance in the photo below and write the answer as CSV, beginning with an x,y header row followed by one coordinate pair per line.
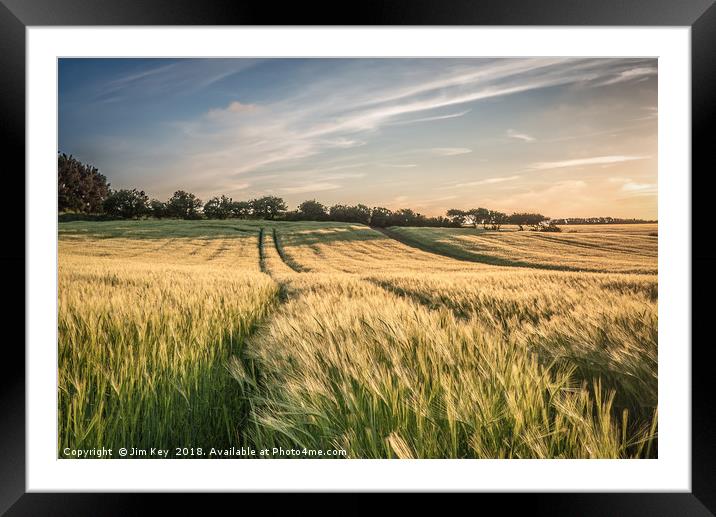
x,y
700,15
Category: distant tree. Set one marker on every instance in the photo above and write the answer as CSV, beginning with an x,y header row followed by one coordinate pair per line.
x,y
127,204
550,226
292,215
157,209
339,213
457,216
312,210
472,217
268,207
219,207
241,209
495,219
479,216
380,217
444,221
440,221
350,214
406,217
360,214
80,187
184,205
523,219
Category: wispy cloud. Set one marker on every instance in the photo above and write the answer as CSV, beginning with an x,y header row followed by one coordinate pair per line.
x,y
630,74
342,176
460,78
306,126
428,119
639,189
581,162
181,77
487,181
233,107
520,136
652,112
131,79
311,187
450,151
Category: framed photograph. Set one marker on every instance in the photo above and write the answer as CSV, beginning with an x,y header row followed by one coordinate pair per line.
x,y
449,248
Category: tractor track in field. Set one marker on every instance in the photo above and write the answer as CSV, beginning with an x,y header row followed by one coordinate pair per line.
x,y
385,286
283,284
262,255
252,390
281,253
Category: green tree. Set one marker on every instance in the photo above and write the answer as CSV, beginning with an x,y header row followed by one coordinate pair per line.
x,y
157,209
241,209
350,214
406,217
550,226
312,210
522,219
184,205
457,216
268,207
127,204
219,207
80,187
479,216
472,217
380,217
495,219
360,214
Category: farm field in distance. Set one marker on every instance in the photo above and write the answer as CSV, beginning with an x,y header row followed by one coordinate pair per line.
x,y
408,343
627,248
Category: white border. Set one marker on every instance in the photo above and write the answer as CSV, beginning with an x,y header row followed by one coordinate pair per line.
x,y
671,472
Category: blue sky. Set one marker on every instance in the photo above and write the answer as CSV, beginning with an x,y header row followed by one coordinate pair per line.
x,y
565,137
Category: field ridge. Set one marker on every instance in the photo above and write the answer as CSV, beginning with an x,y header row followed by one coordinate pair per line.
x,y
473,257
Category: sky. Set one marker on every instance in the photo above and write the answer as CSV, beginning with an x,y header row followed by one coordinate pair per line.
x,y
564,137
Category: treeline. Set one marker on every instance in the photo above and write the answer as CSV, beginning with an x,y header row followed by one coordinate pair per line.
x,y
82,189
313,210
601,220
493,220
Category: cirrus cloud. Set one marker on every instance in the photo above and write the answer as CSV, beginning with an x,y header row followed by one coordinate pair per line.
x,y
580,162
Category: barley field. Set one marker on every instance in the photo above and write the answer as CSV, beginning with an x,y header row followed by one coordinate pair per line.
x,y
597,248
413,343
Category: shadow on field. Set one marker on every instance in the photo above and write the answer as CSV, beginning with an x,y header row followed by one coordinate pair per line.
x,y
457,254
329,235
155,230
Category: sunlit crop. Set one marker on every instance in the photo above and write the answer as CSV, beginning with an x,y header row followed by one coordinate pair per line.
x,y
331,335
